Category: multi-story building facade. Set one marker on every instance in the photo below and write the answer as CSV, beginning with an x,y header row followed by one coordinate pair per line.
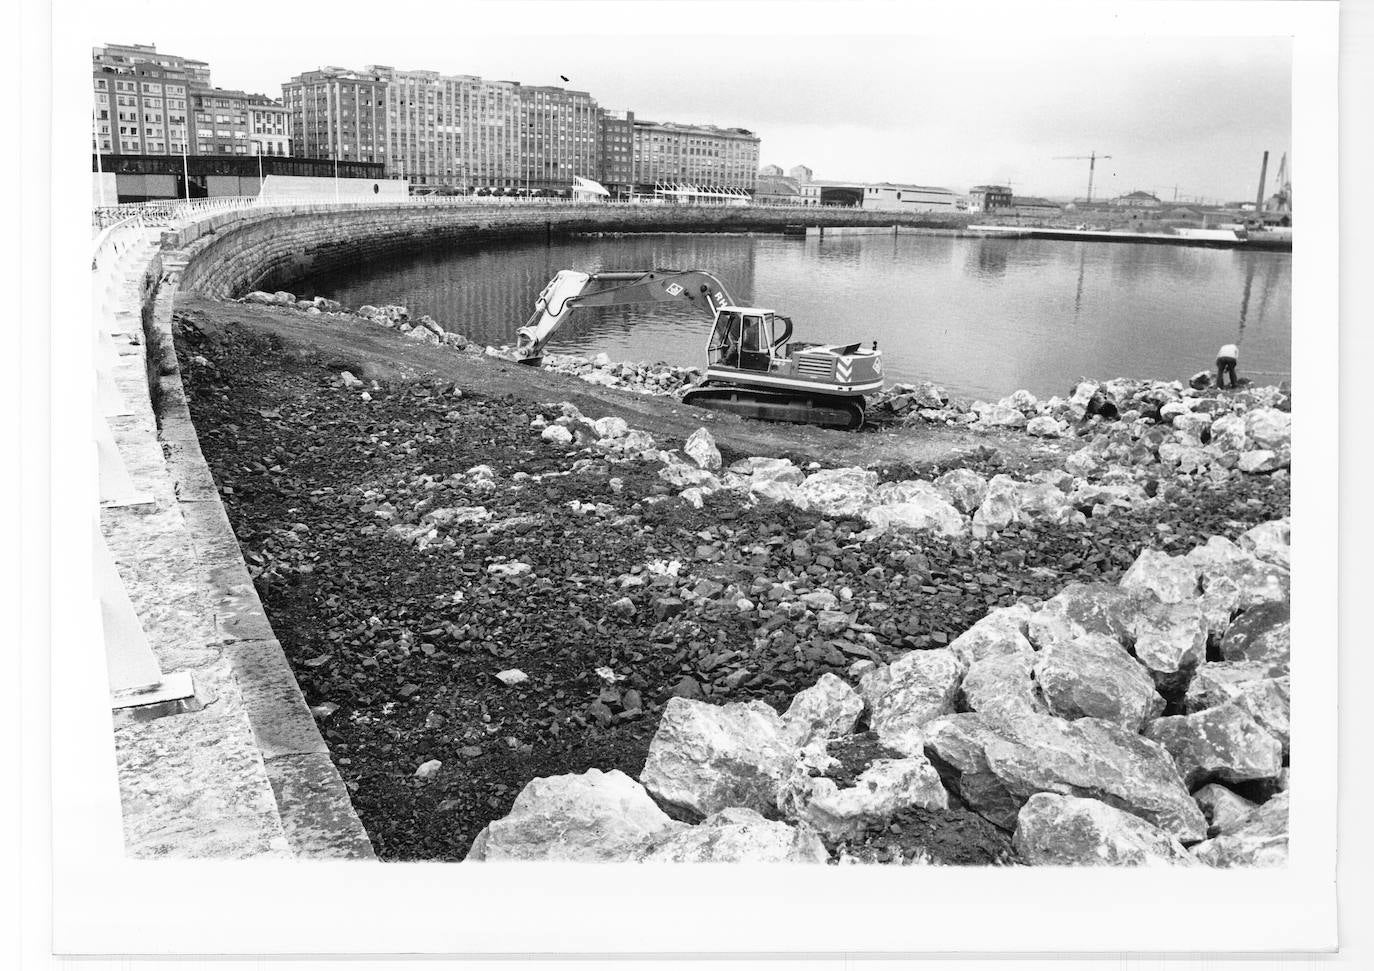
x,y
617,152
142,99
221,121
337,113
269,126
559,137
456,130
989,198
701,155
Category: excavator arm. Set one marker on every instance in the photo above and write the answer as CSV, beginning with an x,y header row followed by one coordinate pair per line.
x,y
570,289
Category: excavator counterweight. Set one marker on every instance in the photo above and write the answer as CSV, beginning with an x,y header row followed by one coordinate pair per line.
x,y
753,367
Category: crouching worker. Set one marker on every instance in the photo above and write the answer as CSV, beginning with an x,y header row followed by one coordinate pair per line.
x,y
1226,364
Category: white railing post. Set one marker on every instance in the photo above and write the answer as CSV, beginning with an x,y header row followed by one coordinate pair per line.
x,y
134,674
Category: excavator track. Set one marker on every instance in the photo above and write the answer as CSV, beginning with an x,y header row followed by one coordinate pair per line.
x,y
828,411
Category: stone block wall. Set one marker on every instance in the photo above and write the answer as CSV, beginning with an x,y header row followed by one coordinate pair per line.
x,y
231,254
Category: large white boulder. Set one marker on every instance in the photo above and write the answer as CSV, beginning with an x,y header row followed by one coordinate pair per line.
x,y
686,475
1172,579
1003,683
838,492
701,449
1092,676
883,789
739,835
964,489
1262,633
999,763
1044,501
594,816
1269,428
1085,608
705,758
919,506
1228,433
1001,630
1170,641
1270,542
827,709
1221,744
1055,830
909,692
1257,581
1221,682
1000,507
1261,840
1046,426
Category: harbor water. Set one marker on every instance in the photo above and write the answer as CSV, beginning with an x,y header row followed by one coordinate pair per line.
x,y
980,316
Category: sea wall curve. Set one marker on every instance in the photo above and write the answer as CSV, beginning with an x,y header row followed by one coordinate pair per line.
x,y
231,254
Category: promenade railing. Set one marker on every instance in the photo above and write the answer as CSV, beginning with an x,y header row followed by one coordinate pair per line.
x,y
173,212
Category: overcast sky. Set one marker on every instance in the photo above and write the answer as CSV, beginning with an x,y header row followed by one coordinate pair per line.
x,y
1191,112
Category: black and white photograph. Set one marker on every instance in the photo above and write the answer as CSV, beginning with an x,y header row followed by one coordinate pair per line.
x,y
559,466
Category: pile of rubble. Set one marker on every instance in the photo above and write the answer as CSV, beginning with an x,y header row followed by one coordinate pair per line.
x,y
1185,428
1130,724
639,377
1114,471
424,329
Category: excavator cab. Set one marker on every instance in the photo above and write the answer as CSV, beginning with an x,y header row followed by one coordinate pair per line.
x,y
747,338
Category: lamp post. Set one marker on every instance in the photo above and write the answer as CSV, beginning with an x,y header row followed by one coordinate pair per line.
x,y
99,168
185,169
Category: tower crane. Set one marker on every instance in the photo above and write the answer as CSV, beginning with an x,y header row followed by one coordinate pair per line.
x,y
1282,200
1092,164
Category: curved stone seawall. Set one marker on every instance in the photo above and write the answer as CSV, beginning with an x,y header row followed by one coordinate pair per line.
x,y
234,253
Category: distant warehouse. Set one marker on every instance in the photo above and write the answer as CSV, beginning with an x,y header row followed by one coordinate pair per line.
x,y
1035,206
881,196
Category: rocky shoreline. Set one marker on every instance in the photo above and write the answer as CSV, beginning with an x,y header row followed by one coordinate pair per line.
x,y
443,541
1046,720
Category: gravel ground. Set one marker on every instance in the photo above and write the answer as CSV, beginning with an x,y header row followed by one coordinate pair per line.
x,y
398,647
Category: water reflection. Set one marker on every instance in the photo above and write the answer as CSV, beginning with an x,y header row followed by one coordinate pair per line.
x,y
980,316
988,258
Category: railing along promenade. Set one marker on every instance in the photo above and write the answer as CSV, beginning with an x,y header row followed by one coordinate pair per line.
x,y
176,212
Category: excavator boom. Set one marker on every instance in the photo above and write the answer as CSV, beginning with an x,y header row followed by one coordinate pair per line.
x,y
752,369
571,289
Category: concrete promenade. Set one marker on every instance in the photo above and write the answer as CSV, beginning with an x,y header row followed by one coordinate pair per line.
x,y
240,770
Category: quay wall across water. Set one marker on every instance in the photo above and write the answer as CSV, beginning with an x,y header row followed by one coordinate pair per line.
x,y
236,252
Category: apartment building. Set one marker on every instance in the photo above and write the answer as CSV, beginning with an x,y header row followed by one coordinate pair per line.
x,y
221,121
701,155
141,99
454,130
337,113
617,152
269,126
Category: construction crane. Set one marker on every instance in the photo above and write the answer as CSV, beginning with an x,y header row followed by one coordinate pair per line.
x,y
1092,164
1282,200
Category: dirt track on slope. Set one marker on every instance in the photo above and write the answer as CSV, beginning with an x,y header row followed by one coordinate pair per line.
x,y
372,352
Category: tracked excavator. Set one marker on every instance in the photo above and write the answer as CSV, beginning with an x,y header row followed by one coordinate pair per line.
x,y
753,367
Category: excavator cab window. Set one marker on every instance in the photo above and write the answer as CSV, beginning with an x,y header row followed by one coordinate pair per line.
x,y
725,340
756,341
